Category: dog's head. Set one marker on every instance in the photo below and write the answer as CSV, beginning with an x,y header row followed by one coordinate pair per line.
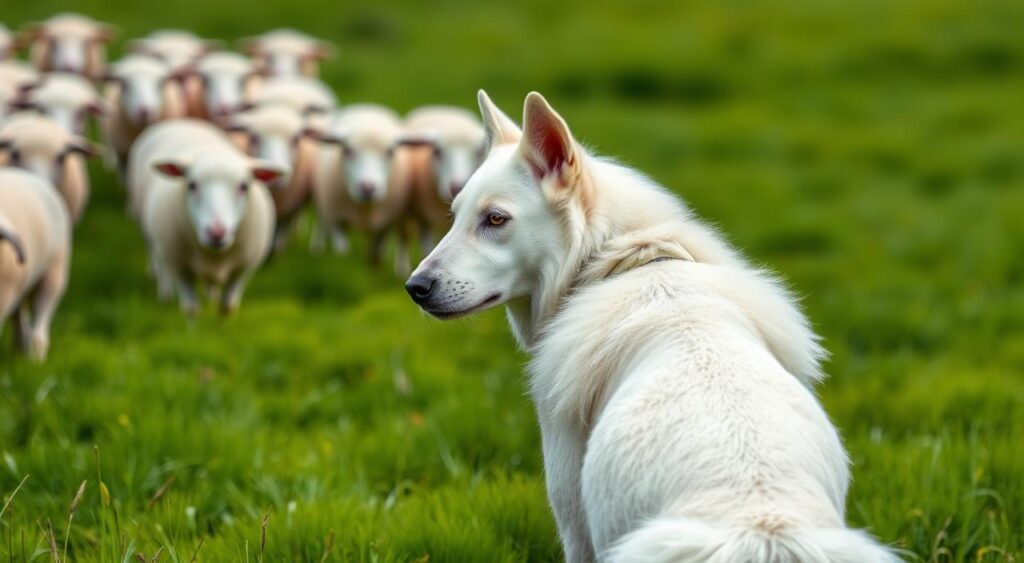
x,y
509,221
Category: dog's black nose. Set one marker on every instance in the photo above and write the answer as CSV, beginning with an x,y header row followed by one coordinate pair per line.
x,y
420,287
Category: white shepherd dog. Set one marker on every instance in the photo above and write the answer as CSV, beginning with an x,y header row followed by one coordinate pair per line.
x,y
673,381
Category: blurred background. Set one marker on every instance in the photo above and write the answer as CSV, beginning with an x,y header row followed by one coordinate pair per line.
x,y
871,153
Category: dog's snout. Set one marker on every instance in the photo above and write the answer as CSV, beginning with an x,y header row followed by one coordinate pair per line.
x,y
420,287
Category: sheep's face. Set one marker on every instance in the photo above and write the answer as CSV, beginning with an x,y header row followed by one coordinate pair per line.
x,y
455,158
224,81
44,152
365,163
272,134
142,93
217,194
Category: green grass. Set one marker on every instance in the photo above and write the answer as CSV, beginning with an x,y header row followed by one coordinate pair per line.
x,y
871,153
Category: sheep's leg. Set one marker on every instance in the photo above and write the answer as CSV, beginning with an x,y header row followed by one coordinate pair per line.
x,y
378,241
21,328
44,304
281,234
318,238
231,297
187,297
339,240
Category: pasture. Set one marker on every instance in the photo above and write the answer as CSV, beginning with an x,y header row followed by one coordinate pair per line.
x,y
872,153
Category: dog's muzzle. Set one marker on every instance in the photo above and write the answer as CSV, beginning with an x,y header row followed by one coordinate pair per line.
x,y
421,288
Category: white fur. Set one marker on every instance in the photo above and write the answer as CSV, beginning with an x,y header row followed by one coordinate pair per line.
x,y
14,77
35,254
214,190
141,90
66,98
178,48
222,82
39,144
70,42
274,133
304,95
357,181
287,52
675,397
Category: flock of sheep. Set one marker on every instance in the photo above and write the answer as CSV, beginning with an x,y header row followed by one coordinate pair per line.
x,y
219,152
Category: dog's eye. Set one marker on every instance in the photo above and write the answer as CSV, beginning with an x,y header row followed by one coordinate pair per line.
x,y
496,219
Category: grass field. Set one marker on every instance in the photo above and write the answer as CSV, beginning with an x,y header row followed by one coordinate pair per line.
x,y
872,153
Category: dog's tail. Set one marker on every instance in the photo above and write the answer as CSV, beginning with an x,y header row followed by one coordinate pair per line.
x,y
8,234
686,540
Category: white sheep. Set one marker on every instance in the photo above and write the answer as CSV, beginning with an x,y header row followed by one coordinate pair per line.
x,y
35,253
219,85
287,52
39,144
14,77
69,42
445,145
357,182
274,133
141,90
176,47
307,96
205,210
69,99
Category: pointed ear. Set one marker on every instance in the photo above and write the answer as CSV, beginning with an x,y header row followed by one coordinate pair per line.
x,y
171,168
498,128
547,144
265,172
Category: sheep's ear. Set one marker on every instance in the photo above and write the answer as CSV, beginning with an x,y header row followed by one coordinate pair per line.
x,y
84,147
97,107
547,145
499,129
323,51
267,173
249,45
417,140
171,168
107,32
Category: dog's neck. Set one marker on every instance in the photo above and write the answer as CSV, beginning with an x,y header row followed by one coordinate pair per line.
x,y
602,236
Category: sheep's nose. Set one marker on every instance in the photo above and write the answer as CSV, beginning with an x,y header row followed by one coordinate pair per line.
x,y
455,188
217,233
366,190
145,115
420,287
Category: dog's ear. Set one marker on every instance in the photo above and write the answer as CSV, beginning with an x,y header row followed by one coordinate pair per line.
x,y
499,129
547,144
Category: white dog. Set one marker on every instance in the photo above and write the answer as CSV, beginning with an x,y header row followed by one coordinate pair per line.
x,y
672,380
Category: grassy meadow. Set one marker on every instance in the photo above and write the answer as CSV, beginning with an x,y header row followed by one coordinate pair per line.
x,y
870,152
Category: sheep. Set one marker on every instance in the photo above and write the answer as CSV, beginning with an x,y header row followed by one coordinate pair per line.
x,y
35,253
205,210
14,77
308,96
222,81
176,47
141,90
445,146
69,42
67,98
357,180
6,43
286,52
37,143
274,132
